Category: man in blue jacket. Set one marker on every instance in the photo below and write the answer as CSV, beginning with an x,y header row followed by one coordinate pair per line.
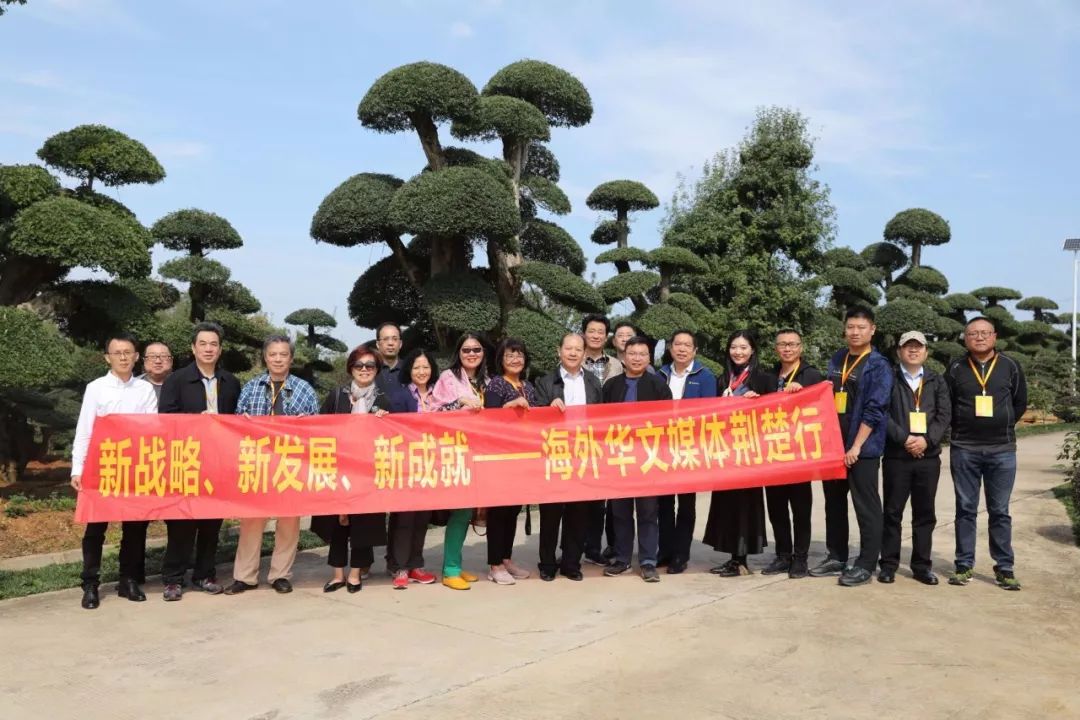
x,y
862,386
686,378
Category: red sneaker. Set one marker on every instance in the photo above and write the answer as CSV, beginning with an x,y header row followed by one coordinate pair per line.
x,y
401,580
422,576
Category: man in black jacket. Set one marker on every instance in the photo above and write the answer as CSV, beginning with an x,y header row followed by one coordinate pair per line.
x,y
569,386
201,387
989,396
636,384
919,415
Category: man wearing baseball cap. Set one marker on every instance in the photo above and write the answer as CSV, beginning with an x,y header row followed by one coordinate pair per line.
x,y
919,414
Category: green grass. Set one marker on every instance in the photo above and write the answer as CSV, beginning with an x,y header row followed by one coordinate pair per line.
x,y
21,505
1029,430
1063,492
17,583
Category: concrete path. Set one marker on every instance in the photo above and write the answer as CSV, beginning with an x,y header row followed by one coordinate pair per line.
x,y
693,646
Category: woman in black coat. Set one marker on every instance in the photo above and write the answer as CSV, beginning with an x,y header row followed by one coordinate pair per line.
x,y
736,522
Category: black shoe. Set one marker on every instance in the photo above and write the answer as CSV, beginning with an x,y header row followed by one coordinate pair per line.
x,y
732,568
90,598
546,575
281,585
208,585
595,559
333,586
798,568
926,577
616,568
571,574
829,567
173,592
128,588
663,561
780,564
238,587
854,576
649,574
886,575
1006,579
677,567
354,588
608,554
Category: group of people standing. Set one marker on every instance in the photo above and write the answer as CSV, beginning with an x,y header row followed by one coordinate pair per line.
x,y
893,419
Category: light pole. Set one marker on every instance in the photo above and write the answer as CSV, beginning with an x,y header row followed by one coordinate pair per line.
x,y
1073,245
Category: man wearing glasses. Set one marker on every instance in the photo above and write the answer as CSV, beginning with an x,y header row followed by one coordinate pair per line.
x,y
118,391
157,365
989,396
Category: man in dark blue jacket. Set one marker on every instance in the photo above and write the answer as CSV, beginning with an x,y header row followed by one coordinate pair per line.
x,y
687,378
862,386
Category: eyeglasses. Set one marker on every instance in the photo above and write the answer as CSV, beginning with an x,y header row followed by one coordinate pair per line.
x,y
513,355
122,354
787,345
471,350
367,365
979,333
158,357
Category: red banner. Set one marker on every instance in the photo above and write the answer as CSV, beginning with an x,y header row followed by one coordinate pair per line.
x,y
153,467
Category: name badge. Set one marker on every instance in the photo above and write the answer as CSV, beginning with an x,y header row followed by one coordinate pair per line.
x,y
917,423
984,406
840,399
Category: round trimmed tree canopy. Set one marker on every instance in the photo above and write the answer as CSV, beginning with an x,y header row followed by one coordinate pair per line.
x,y
917,226
234,296
616,195
195,269
688,303
310,316
963,301
925,278
845,257
542,162
607,232
194,231
1036,302
992,294
461,301
456,201
659,320
102,202
629,284
501,116
897,317
33,353
23,185
626,254
422,89
383,293
547,242
356,212
678,259
546,194
96,151
561,285
540,334
558,94
885,255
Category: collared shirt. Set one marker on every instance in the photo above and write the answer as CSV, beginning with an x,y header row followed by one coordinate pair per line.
x,y
677,381
298,397
210,387
573,387
631,389
108,395
913,381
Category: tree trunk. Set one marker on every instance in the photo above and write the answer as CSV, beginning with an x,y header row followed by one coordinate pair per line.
x,y
407,266
21,278
197,293
665,283
622,240
429,140
916,254
501,262
311,336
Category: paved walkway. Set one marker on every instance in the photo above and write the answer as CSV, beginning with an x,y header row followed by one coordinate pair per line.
x,y
693,646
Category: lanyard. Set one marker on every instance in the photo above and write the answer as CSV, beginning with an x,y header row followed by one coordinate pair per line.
x,y
846,372
736,382
918,395
519,387
274,396
983,379
791,376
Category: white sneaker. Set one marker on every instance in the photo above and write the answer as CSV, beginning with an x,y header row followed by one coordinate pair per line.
x,y
501,577
517,572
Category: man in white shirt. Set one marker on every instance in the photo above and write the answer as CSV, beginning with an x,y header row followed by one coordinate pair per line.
x,y
116,392
570,385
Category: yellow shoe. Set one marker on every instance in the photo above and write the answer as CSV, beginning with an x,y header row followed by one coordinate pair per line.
x,y
468,576
455,583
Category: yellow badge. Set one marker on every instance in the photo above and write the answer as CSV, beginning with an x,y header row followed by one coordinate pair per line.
x,y
840,399
984,406
917,423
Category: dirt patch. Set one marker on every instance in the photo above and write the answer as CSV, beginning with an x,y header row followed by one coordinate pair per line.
x,y
51,531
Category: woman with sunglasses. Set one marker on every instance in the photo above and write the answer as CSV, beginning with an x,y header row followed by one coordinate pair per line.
x,y
508,389
736,522
361,532
461,386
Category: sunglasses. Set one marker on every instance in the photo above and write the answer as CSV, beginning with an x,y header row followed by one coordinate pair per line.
x,y
471,350
368,365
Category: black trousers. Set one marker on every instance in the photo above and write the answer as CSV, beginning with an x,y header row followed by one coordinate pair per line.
x,y
188,537
862,483
600,527
800,498
407,532
573,518
501,529
676,528
916,478
346,537
132,551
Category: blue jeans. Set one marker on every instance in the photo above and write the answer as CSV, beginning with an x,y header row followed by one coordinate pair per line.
x,y
648,529
996,472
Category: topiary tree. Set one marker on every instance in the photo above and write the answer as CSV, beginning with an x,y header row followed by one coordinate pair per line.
x,y
623,197
1038,305
917,228
924,278
884,259
991,295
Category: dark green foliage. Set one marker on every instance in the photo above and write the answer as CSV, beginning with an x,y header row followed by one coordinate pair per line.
x,y
960,302
96,152
24,185
844,257
1033,330
1039,305
384,293
915,228
330,343
461,301
991,295
628,284
688,304
607,232
195,232
897,317
67,233
457,201
947,328
420,89
546,194
240,329
33,354
560,96
310,316
194,269
676,260
626,254
233,295
906,292
540,334
542,162
924,278
547,242
850,287
462,157
89,310
947,350
100,201
884,256
501,116
660,320
621,196
561,285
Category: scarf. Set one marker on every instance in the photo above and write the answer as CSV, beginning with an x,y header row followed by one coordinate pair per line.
x,y
363,399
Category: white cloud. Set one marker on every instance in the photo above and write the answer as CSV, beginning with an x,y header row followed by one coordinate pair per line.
x,y
461,29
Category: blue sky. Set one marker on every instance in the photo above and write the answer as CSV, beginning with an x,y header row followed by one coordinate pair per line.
x,y
970,109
